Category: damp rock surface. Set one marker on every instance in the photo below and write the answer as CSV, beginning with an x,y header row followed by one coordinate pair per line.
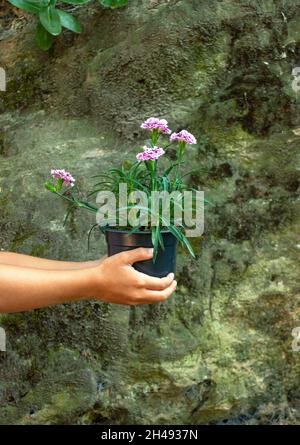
x,y
220,350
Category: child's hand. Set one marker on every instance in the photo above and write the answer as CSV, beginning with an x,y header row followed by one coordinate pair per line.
x,y
116,281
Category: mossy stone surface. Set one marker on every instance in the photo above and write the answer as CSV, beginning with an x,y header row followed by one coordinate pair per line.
x,y
220,349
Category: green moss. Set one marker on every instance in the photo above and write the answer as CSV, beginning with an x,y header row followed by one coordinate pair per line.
x,y
19,240
25,90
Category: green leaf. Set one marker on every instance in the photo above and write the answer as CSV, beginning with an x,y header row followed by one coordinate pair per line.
x,y
154,239
113,3
50,186
43,38
50,20
71,207
33,6
165,183
75,2
69,21
183,239
160,239
169,169
59,184
89,234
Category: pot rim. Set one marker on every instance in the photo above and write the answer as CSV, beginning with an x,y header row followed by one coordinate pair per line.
x,y
144,232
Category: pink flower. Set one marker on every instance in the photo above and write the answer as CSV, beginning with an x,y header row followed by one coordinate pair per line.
x,y
65,176
156,124
183,136
150,154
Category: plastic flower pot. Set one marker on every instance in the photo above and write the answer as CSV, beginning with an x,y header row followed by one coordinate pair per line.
x,y
122,240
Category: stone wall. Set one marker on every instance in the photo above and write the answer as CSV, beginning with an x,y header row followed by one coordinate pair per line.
x,y
220,349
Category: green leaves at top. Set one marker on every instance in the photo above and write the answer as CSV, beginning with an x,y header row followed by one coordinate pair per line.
x,y
50,20
113,3
69,21
33,6
75,2
43,38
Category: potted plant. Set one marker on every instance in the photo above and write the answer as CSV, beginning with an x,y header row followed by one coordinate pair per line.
x,y
147,199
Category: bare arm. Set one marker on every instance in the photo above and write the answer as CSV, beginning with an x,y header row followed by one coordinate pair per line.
x,y
16,259
113,280
23,289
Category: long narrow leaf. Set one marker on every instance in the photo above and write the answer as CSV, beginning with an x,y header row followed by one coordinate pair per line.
x,y
154,238
67,215
183,239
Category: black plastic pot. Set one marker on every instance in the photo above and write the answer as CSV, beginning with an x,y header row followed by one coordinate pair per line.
x,y
165,263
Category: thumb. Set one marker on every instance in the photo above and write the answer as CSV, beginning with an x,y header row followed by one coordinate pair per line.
x,y
140,254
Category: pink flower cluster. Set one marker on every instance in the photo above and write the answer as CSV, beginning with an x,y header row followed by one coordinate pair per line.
x,y
150,154
65,176
156,124
183,136
153,123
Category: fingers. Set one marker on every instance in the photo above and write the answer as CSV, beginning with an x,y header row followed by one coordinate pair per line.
x,y
142,288
140,254
152,297
154,283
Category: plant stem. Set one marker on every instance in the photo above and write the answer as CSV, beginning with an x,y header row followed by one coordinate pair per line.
x,y
77,203
154,137
181,151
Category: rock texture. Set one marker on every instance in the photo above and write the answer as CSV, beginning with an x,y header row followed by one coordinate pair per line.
x,y
220,350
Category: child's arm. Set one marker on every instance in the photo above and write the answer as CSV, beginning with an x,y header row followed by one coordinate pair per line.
x,y
114,280
16,259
